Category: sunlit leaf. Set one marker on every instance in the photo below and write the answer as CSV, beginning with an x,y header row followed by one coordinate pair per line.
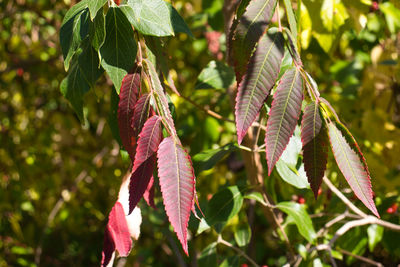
x,y
250,27
283,116
94,6
352,167
177,183
216,75
301,219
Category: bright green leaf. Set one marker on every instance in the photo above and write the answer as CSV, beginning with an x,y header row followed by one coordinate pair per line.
x,y
207,159
243,235
94,6
300,217
375,234
216,75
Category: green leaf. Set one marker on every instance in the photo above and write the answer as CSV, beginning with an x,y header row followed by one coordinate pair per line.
x,y
89,64
149,17
208,256
225,204
392,15
232,261
375,234
334,14
301,219
207,159
75,10
256,196
216,75
156,17
94,6
98,30
243,235
113,118
73,31
73,88
118,52
291,19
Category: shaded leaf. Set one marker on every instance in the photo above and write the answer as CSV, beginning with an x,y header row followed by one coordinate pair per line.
x,y
74,87
177,183
225,204
352,166
207,159
119,50
208,256
139,181
291,19
117,234
283,116
94,6
262,71
73,31
89,64
301,219
141,113
130,89
315,146
216,75
148,195
98,30
250,27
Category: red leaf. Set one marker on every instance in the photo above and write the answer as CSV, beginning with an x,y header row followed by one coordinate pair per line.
x,y
250,27
127,99
117,236
142,170
262,71
141,113
149,193
177,183
283,116
352,164
315,146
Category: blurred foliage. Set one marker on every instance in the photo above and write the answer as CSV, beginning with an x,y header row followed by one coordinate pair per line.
x,y
59,178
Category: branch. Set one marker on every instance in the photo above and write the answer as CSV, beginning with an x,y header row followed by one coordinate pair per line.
x,y
238,250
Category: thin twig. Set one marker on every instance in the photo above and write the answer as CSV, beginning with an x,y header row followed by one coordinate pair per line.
x,y
361,258
238,250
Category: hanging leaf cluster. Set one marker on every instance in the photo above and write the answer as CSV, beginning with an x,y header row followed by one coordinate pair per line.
x,y
95,38
257,50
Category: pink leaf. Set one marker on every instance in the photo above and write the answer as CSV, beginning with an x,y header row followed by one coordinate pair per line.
x,y
315,146
177,183
352,165
283,116
117,235
262,71
127,99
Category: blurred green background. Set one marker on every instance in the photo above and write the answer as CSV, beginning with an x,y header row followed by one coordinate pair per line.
x,y
59,178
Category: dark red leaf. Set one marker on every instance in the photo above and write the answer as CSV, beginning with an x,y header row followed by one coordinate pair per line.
x,y
141,113
260,77
283,116
250,27
139,181
108,248
315,146
177,183
142,170
130,89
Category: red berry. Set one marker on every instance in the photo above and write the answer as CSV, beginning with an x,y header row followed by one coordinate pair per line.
x,y
319,191
301,200
374,7
20,72
244,265
392,209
